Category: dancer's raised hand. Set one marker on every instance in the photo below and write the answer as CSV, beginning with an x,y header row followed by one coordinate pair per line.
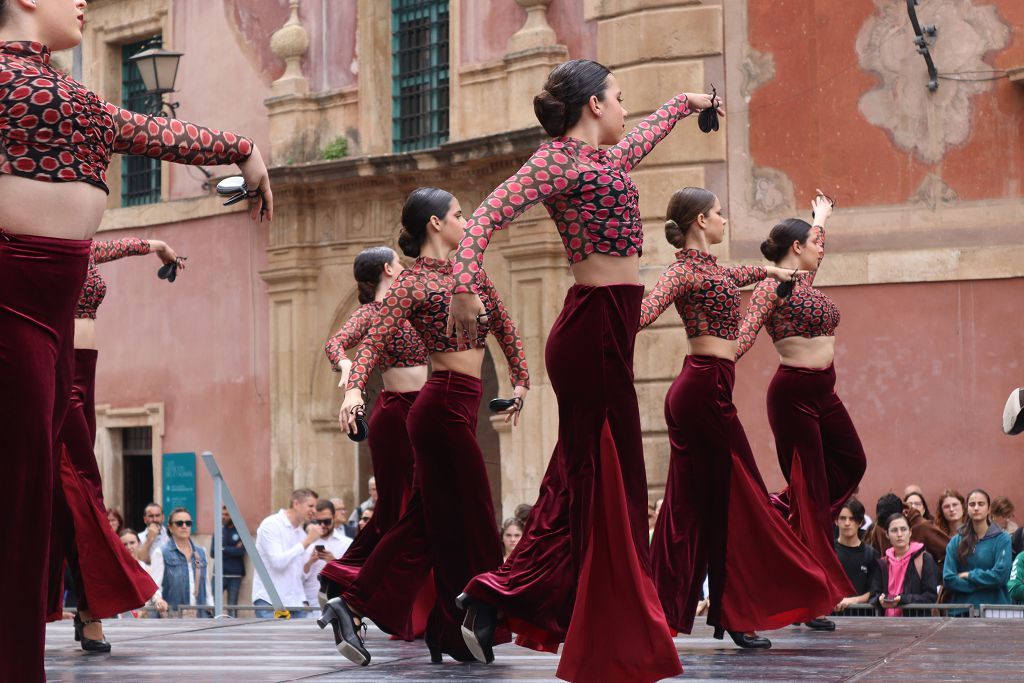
x,y
821,207
464,312
347,414
257,179
702,101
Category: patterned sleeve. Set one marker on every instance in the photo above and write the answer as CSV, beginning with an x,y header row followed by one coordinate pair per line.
x,y
349,335
821,240
762,304
673,284
639,142
504,330
746,275
400,302
550,171
112,250
174,140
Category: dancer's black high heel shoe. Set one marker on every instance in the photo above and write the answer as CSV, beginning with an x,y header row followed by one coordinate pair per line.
x,y
88,644
821,624
478,627
346,637
743,640
434,648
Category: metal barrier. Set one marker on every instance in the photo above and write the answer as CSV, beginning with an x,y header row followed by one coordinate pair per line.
x,y
190,611
862,609
1001,611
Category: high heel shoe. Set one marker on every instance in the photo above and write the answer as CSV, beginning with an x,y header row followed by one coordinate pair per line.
x,y
744,640
821,624
347,639
434,648
478,627
88,644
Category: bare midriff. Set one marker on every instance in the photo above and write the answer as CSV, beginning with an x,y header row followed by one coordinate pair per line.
x,y
468,362
708,345
599,270
816,353
66,210
403,380
85,333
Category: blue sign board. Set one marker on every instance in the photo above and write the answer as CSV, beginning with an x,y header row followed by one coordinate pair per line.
x,y
179,477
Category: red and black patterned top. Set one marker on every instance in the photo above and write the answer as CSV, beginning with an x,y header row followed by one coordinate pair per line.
x,y
53,128
403,349
95,288
706,294
806,312
587,192
422,295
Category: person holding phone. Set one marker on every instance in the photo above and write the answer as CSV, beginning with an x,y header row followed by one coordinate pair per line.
x,y
330,547
908,573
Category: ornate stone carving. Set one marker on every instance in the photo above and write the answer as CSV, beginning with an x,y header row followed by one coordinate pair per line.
x,y
771,192
536,31
758,68
290,43
934,192
924,123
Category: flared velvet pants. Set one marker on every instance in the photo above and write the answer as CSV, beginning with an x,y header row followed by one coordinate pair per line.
x,y
448,526
109,580
716,519
581,572
40,280
820,455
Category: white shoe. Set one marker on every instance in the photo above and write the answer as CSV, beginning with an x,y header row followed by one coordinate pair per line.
x,y
1013,413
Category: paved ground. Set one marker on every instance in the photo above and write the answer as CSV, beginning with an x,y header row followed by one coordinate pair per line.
x,y
862,649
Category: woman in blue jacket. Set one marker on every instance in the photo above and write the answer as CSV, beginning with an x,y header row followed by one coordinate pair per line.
x,y
978,558
182,566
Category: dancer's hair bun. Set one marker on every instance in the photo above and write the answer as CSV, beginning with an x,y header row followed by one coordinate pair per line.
x,y
409,245
550,112
675,235
770,250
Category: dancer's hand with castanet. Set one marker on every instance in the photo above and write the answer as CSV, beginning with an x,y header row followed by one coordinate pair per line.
x,y
257,180
821,208
512,413
345,369
165,253
784,274
702,101
347,414
464,312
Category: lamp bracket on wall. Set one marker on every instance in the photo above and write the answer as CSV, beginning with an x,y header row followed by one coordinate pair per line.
x,y
922,34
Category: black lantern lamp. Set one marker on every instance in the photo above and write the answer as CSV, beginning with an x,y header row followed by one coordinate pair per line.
x,y
158,68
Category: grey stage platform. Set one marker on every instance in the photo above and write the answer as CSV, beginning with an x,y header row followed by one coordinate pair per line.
x,y
862,649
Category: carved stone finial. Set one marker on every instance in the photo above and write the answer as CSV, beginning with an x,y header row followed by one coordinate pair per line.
x,y
290,43
536,31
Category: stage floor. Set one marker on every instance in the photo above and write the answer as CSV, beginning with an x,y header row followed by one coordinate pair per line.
x,y
861,649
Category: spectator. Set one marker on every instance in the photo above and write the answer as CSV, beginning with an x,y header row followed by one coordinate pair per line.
x,y
328,547
912,488
115,520
181,564
364,517
859,560
908,573
920,530
341,525
370,502
130,539
916,501
876,536
233,564
155,534
522,513
978,560
1002,514
926,533
951,512
1015,586
281,544
511,532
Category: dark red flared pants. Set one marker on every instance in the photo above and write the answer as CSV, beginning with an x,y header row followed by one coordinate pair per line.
x,y
448,525
820,455
581,572
716,519
40,280
109,580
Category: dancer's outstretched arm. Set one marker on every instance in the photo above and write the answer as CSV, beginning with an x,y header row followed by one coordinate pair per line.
x,y
763,303
504,330
675,283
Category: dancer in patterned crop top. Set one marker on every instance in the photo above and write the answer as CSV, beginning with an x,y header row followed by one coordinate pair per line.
x,y
403,366
763,577
56,138
595,486
451,479
818,448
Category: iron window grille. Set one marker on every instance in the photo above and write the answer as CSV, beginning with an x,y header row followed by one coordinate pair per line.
x,y
140,176
419,48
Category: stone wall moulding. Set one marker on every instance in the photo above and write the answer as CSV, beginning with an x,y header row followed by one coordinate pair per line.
x,y
290,43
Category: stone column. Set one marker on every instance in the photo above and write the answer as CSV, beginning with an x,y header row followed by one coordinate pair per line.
x,y
533,52
291,113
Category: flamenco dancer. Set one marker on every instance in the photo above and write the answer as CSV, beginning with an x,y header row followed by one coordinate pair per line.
x,y
581,572
108,579
52,197
764,577
403,369
450,479
819,451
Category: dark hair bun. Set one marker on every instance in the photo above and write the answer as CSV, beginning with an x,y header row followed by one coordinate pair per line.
x,y
409,245
770,250
675,234
550,112
782,236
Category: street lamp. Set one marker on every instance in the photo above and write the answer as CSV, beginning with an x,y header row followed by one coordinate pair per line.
x,y
158,68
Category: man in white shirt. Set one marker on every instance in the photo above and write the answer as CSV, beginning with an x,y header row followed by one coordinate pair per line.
x,y
155,534
370,502
331,545
281,543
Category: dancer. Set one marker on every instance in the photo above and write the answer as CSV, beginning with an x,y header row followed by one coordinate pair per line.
x,y
403,368
818,448
449,523
581,573
52,197
764,577
109,580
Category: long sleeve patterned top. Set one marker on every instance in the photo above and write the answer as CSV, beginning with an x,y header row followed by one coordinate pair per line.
x,y
52,128
806,312
422,295
586,191
95,288
706,295
402,349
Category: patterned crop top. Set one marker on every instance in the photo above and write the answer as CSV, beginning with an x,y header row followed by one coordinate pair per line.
x,y
587,192
53,128
806,312
706,294
422,295
95,288
403,349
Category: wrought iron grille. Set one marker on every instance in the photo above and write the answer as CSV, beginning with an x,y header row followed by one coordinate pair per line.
x,y
419,49
140,176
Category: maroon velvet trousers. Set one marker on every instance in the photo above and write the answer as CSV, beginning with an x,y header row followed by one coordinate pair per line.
x,y
108,579
717,520
581,572
448,525
40,280
820,454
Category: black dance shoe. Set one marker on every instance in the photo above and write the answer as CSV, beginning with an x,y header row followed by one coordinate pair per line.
x,y
1013,413
434,648
88,644
346,636
478,627
743,640
821,624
